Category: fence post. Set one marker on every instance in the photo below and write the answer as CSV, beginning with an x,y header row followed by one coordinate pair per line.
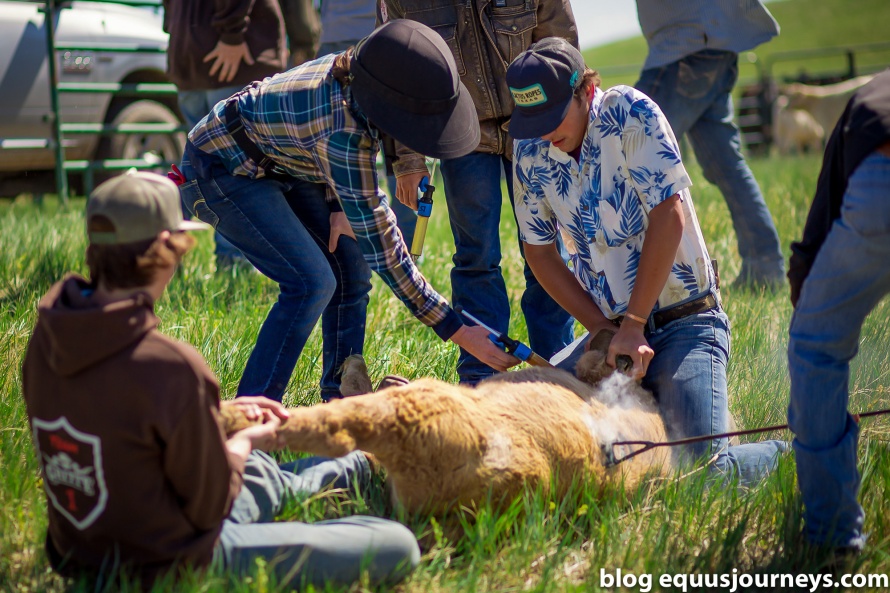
x,y
49,26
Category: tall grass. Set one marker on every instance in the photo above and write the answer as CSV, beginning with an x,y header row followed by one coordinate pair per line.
x,y
683,524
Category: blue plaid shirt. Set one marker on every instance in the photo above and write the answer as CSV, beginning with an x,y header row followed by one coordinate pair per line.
x,y
312,129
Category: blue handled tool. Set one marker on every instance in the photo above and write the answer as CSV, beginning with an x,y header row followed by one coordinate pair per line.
x,y
424,209
511,346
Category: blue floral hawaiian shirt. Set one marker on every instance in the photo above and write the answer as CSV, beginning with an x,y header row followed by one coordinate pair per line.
x,y
629,164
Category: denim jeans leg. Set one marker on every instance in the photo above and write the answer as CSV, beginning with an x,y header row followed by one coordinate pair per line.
x,y
687,375
695,95
474,198
550,327
332,47
257,218
327,552
267,485
718,147
406,217
688,378
323,554
848,278
194,105
344,318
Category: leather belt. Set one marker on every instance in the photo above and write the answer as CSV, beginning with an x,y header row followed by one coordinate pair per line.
x,y
235,127
660,318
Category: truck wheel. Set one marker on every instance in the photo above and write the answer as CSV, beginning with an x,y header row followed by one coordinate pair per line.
x,y
158,148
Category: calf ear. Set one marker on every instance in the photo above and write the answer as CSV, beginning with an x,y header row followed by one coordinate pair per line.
x,y
591,367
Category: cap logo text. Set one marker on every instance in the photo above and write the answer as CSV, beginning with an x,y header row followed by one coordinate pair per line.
x,y
529,96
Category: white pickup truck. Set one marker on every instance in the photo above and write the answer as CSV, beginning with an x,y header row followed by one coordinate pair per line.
x,y
26,163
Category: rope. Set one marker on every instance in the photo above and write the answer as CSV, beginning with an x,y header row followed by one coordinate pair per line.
x,y
612,460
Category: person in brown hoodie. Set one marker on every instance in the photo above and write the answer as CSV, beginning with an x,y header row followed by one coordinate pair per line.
x,y
137,471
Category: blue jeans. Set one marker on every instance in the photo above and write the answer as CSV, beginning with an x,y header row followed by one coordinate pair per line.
x,y
695,95
194,105
687,376
848,278
473,196
335,551
283,229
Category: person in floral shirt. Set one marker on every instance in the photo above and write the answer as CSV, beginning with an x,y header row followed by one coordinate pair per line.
x,y
603,168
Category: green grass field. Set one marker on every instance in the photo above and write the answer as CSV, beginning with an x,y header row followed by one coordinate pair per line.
x,y
676,526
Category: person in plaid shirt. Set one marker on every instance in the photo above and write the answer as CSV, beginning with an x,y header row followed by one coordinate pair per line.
x,y
286,170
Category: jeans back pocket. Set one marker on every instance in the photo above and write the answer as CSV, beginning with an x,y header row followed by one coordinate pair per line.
x,y
193,201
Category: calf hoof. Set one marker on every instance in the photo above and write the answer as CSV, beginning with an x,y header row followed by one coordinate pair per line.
x,y
354,378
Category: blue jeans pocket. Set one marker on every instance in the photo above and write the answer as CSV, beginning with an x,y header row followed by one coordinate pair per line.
x,y
205,214
697,74
694,83
194,202
865,207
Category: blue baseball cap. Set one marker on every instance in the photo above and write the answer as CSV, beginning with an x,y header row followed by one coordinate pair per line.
x,y
543,80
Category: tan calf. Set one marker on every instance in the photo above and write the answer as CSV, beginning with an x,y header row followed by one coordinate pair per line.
x,y
444,445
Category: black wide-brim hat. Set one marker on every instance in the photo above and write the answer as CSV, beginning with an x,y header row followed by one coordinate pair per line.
x,y
405,81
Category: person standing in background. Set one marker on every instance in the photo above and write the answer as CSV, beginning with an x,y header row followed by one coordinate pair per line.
x,y
484,37
690,72
303,29
344,23
215,49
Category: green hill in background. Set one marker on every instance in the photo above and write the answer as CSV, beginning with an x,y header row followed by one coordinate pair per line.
x,y
806,25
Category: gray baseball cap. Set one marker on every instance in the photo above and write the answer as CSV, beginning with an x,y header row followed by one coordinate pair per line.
x,y
139,206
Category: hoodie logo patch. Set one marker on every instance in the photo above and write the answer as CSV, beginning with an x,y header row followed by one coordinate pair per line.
x,y
71,462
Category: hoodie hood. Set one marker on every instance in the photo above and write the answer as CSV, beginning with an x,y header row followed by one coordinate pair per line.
x,y
68,318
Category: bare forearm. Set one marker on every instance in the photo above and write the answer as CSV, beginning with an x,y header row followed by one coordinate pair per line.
x,y
239,446
561,284
659,252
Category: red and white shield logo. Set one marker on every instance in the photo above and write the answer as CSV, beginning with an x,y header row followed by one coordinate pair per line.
x,y
71,462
